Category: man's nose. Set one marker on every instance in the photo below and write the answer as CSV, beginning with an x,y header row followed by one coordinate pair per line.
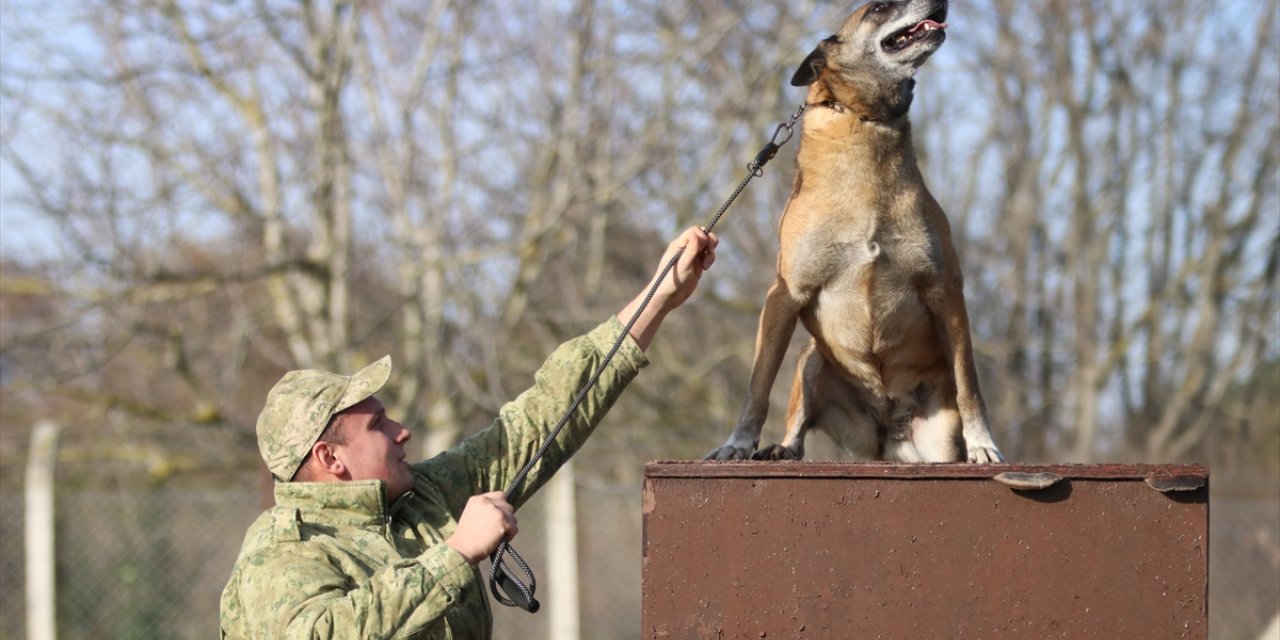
x,y
404,434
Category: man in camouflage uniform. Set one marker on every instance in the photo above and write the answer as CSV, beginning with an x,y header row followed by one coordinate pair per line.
x,y
361,544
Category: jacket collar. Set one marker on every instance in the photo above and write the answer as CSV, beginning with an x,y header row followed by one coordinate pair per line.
x,y
355,503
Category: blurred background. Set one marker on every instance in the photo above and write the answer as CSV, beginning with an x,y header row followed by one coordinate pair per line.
x,y
198,196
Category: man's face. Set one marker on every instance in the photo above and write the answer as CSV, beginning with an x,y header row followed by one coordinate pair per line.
x,y
374,448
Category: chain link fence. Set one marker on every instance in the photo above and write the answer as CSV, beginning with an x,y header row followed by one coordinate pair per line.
x,y
150,561
1244,554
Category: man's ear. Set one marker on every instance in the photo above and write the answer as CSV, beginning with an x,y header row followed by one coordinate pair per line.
x,y
325,460
808,71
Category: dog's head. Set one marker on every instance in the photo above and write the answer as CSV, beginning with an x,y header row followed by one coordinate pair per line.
x,y
877,51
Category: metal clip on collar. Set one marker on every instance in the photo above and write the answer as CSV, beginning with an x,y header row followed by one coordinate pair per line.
x,y
771,149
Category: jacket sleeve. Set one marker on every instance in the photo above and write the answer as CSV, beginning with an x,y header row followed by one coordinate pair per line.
x,y
490,459
296,592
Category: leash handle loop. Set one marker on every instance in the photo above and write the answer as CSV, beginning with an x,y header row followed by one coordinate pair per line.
x,y
517,593
504,584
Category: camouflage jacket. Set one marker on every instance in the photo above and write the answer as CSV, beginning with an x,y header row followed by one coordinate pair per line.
x,y
334,560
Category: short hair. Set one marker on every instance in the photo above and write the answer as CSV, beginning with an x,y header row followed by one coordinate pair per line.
x,y
333,433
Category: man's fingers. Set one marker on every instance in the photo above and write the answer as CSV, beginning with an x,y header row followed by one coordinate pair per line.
x,y
497,499
486,521
510,526
503,514
699,248
709,251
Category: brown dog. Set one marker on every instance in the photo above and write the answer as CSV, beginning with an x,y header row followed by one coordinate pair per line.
x,y
866,263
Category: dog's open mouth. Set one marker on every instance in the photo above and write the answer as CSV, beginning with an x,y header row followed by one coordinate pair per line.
x,y
926,29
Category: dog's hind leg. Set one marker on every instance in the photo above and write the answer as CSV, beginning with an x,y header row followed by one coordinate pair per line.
x,y
822,399
935,426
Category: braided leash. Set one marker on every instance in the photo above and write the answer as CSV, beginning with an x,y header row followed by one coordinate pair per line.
x,y
501,578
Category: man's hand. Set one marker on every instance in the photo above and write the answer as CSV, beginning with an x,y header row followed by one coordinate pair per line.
x,y
699,254
486,521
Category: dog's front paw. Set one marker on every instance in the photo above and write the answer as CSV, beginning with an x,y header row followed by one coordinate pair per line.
x,y
729,451
777,452
985,455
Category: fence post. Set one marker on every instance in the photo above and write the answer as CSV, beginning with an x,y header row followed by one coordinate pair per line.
x,y
1272,631
562,555
41,570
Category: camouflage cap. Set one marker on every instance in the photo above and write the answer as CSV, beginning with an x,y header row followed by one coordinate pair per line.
x,y
302,403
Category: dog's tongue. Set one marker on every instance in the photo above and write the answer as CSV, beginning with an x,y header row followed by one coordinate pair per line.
x,y
928,24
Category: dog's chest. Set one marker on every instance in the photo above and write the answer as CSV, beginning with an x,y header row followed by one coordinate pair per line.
x,y
863,261
867,290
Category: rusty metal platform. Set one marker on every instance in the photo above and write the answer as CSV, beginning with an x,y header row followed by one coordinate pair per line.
x,y
924,552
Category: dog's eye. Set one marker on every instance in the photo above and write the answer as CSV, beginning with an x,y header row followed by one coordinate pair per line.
x,y
879,6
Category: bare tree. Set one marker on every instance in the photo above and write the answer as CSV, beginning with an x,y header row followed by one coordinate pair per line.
x,y
198,196
272,185
1130,257
254,187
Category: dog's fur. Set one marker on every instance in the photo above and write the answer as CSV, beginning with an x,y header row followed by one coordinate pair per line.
x,y
867,264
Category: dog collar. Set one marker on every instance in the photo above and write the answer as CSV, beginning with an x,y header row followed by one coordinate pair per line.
x,y
840,107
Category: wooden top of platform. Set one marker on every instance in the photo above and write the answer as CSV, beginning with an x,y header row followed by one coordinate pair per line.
x,y
959,470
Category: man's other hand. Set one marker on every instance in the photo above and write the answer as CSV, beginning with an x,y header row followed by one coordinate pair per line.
x,y
486,521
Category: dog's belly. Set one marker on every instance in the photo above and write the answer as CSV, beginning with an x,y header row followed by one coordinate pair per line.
x,y
870,323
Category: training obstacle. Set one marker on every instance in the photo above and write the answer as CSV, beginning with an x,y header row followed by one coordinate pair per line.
x,y
923,552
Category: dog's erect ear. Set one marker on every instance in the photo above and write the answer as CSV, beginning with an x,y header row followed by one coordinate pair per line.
x,y
808,71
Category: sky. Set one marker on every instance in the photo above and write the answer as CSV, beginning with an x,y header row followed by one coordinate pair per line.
x,y
32,28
